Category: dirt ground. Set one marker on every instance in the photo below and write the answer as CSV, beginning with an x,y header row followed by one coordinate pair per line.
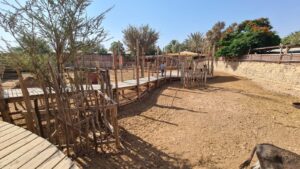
x,y
210,128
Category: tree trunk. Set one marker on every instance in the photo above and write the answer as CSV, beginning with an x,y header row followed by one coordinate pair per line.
x,y
213,60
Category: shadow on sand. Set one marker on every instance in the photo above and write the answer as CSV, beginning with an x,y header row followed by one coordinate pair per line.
x,y
222,79
150,101
136,153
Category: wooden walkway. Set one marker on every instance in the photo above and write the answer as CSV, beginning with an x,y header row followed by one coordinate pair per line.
x,y
20,148
12,95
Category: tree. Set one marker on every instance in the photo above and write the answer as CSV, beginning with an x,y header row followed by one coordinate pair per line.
x,y
212,37
175,46
92,48
42,46
195,42
101,50
61,24
292,39
246,36
117,48
146,37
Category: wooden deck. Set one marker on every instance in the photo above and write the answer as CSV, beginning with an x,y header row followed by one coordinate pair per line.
x,y
20,148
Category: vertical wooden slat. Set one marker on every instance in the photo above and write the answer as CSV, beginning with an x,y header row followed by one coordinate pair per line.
x,y
4,109
116,80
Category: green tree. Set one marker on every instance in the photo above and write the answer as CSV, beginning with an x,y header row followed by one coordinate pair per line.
x,y
101,50
117,48
174,47
92,48
246,36
292,39
146,37
195,42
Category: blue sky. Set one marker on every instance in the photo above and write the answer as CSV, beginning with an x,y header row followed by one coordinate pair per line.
x,y
175,19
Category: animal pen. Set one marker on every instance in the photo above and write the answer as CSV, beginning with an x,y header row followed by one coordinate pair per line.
x,y
77,110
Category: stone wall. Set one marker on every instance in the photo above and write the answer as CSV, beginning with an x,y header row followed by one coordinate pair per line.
x,y
284,77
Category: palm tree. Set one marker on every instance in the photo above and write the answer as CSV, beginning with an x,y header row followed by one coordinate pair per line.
x,y
172,47
146,36
195,42
212,37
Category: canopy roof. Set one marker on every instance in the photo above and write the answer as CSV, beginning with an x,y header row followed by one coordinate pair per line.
x,y
184,53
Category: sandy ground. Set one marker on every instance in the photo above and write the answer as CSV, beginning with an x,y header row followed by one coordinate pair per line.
x,y
210,128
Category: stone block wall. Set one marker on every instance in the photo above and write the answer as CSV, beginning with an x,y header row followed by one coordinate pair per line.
x,y
284,77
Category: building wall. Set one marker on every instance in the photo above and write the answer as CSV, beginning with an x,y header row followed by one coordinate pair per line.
x,y
284,77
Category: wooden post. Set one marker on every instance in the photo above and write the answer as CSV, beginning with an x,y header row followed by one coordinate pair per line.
x,y
166,66
133,71
183,72
143,63
137,68
178,66
148,71
171,61
157,70
116,127
30,114
116,80
39,120
281,53
122,78
4,109
152,72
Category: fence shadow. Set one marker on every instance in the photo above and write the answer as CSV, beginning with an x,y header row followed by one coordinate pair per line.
x,y
137,153
138,107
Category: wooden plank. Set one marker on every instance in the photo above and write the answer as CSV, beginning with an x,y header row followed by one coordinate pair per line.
x,y
19,93
8,130
64,163
27,158
40,157
22,155
11,135
9,94
3,124
17,145
10,140
52,160
5,94
74,166
12,93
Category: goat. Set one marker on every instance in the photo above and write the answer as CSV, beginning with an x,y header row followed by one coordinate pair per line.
x,y
272,157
